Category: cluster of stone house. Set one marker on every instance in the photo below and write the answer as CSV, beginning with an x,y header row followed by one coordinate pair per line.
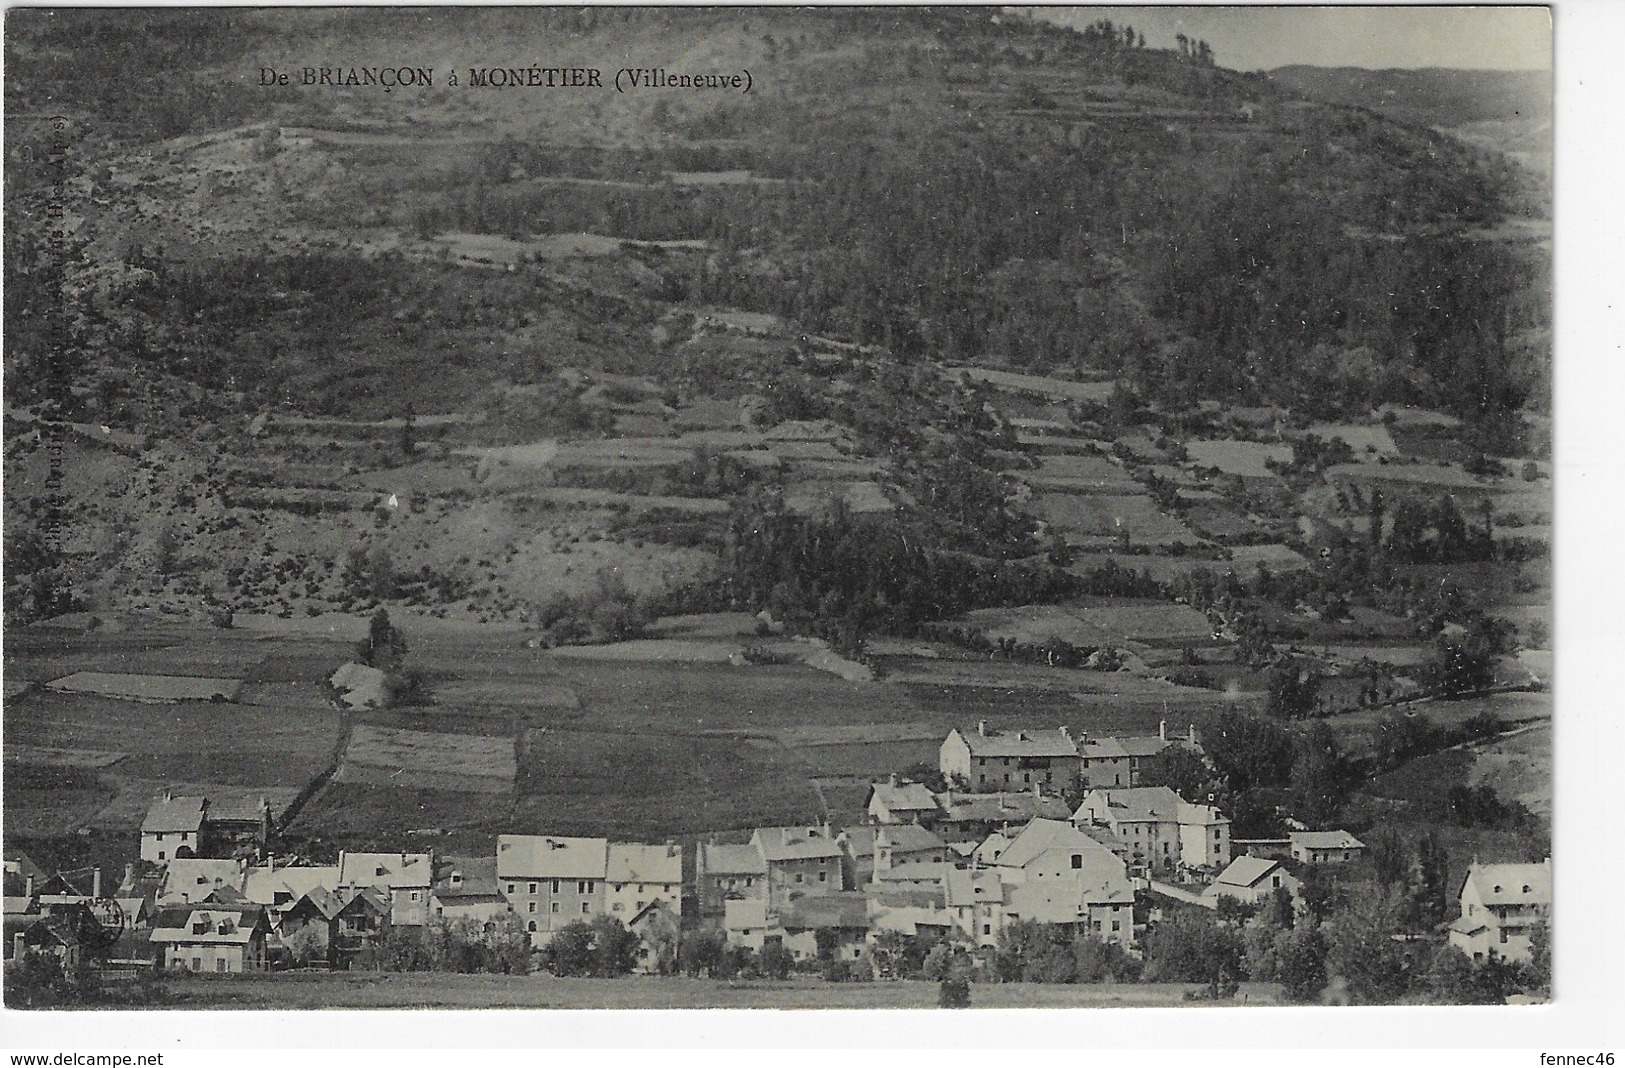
x,y
952,864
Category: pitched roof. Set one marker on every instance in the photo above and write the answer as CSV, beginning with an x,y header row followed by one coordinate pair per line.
x,y
1002,808
322,900
847,909
907,838
264,882
794,843
463,878
1464,925
1137,804
1503,884
972,887
1144,746
195,878
364,898
903,797
633,862
859,841
1246,871
1042,835
551,856
386,870
1021,743
1101,749
1325,840
729,859
220,924
174,814
237,808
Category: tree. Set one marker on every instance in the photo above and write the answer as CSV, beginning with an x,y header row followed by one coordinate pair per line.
x,y
776,961
1300,963
703,953
385,646
1186,772
954,992
1293,688
614,948
1250,751
307,946
570,951
1192,947
1322,777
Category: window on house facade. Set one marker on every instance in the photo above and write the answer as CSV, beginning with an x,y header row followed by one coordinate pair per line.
x,y
798,877
987,928
160,854
159,836
531,926
1077,860
220,964
531,888
513,888
531,907
555,907
586,907
1275,880
823,876
1503,936
1117,925
555,886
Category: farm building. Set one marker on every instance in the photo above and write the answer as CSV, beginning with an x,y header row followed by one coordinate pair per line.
x,y
194,826
1325,847
468,889
1251,879
172,824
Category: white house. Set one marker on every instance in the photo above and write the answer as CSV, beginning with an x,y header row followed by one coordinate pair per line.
x,y
1502,905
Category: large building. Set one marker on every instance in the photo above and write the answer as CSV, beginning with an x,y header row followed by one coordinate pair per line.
x,y
1014,760
1163,831
552,880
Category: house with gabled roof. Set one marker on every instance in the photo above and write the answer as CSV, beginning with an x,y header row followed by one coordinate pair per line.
x,y
842,917
992,760
728,872
1055,873
899,802
173,827
1325,847
1161,830
975,902
212,938
467,888
1502,907
659,930
1250,880
315,912
799,861
403,879
361,925
637,875
552,880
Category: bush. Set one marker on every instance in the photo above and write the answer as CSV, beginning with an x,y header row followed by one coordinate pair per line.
x,y
953,992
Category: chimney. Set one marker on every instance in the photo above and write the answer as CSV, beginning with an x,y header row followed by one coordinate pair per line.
x,y
1192,734
28,889
169,795
1066,732
893,778
1162,730
129,874
96,884
981,727
1038,790
1083,738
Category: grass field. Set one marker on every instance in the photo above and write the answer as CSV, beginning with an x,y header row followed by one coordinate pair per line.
x,y
1246,458
427,760
1519,767
436,990
1112,515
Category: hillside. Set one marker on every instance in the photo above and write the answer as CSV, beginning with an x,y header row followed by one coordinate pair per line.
x,y
515,340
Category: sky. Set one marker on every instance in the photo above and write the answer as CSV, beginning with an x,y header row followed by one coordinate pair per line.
x,y
1262,38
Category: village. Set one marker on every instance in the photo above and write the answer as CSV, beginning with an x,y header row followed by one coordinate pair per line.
x,y
934,882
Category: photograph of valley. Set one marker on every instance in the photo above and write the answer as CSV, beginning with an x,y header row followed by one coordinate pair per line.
x,y
818,508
